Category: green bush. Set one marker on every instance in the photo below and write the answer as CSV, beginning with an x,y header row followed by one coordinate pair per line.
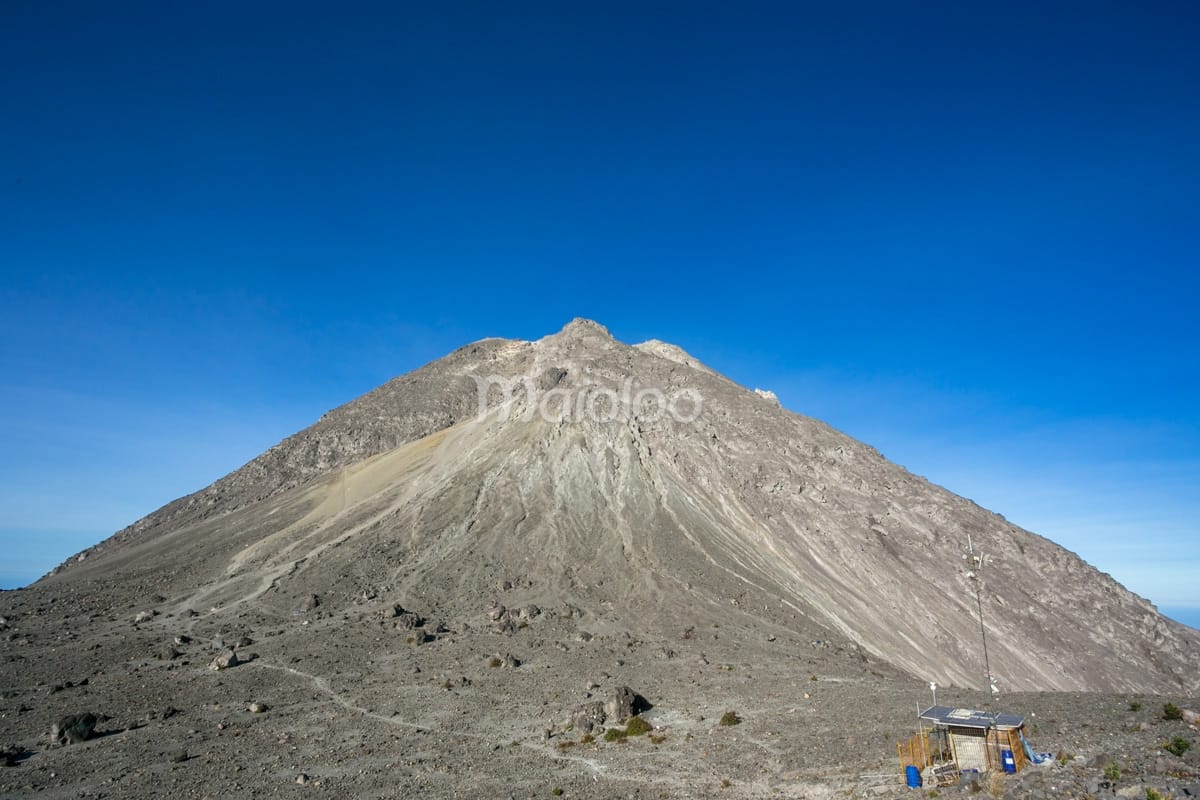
x,y
614,734
1172,712
1112,772
1135,706
1177,746
730,718
637,727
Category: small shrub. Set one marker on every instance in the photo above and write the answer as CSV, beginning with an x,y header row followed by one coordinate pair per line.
x,y
567,745
556,791
1177,746
730,718
1152,794
637,727
934,793
495,661
1135,706
725,784
1112,772
587,739
614,735
1172,712
657,739
1065,758
813,678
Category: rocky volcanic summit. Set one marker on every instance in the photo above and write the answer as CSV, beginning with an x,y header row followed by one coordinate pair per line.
x,y
467,582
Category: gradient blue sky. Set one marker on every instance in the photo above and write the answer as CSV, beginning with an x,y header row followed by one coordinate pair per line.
x,y
966,236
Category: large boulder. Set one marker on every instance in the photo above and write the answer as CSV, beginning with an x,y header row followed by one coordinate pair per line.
x,y
621,704
225,660
73,729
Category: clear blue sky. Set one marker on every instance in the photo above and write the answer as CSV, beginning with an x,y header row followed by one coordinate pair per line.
x,y
967,236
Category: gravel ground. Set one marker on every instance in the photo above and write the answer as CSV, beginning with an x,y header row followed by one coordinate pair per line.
x,y
357,703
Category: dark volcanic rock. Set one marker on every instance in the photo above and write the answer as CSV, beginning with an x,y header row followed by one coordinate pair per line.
x,y
73,729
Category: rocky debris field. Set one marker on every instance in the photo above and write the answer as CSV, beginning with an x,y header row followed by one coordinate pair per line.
x,y
375,698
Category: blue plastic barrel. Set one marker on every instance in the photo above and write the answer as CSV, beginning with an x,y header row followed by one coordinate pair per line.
x,y
1010,765
912,776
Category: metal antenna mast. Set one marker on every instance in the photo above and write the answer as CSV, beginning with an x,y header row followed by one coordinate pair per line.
x,y
974,567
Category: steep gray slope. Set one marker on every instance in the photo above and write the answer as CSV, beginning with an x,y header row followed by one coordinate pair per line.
x,y
735,514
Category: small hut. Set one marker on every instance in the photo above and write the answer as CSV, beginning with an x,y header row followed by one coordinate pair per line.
x,y
961,741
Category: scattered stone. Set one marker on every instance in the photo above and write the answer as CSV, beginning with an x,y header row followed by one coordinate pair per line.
x,y
168,653
226,660
504,586
527,613
407,621
496,612
1190,717
301,779
257,708
73,729
179,756
244,641
312,602
183,639
456,683
144,616
588,717
10,755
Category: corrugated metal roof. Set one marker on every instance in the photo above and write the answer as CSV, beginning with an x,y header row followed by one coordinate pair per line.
x,y
968,718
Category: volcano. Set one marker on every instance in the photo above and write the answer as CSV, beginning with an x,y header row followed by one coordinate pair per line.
x,y
457,560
